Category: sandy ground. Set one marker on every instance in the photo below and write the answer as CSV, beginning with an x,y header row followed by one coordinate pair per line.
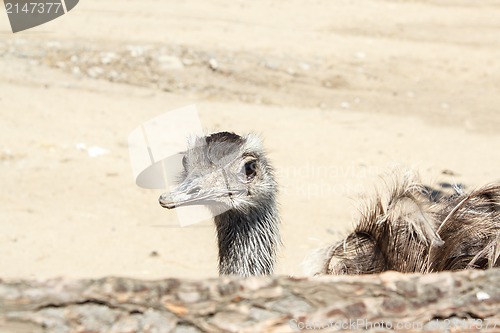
x,y
341,92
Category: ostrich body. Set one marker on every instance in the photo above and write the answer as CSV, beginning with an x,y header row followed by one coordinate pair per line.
x,y
232,177
403,229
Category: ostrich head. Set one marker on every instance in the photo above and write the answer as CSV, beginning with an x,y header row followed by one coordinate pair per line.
x,y
231,175
223,171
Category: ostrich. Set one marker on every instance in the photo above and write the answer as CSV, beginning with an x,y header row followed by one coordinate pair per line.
x,y
231,175
402,230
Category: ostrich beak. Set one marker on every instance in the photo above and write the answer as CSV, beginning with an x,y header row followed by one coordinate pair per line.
x,y
177,199
188,194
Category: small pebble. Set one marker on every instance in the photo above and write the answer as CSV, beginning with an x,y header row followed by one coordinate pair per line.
x,y
135,51
481,295
114,75
108,57
169,62
304,66
345,105
95,71
213,64
95,151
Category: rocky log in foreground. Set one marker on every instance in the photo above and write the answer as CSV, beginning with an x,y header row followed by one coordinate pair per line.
x,y
462,301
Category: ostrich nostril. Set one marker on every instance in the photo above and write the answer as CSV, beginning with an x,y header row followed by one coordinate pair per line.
x,y
194,190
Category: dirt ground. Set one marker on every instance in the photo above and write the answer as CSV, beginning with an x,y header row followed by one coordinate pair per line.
x,y
341,92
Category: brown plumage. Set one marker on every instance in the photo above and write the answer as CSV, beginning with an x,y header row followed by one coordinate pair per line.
x,y
405,231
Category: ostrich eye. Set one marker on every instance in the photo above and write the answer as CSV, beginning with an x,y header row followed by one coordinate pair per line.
x,y
250,169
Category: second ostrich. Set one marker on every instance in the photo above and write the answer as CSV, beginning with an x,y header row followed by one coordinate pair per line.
x,y
402,230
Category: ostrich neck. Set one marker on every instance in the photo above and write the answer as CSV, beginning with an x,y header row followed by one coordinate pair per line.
x,y
248,241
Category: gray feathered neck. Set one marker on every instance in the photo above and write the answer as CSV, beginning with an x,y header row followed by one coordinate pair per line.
x,y
248,240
